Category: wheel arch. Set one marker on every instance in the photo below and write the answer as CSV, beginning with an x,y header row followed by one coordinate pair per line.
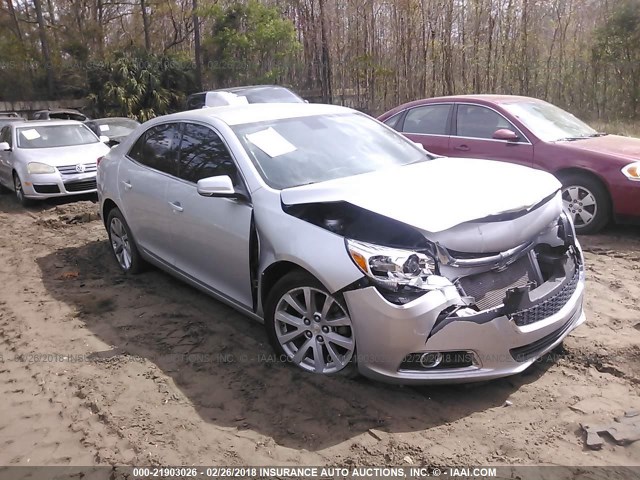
x,y
275,272
107,206
589,173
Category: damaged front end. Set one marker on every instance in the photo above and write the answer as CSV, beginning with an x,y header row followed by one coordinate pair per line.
x,y
425,312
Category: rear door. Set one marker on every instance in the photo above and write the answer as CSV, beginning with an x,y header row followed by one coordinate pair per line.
x,y
428,125
143,182
211,235
473,132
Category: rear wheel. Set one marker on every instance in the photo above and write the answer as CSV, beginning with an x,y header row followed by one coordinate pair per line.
x,y
586,200
122,244
309,326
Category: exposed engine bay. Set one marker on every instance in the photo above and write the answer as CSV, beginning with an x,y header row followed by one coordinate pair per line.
x,y
528,281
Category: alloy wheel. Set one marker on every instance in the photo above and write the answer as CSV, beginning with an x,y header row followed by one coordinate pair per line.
x,y
580,203
17,184
120,243
314,330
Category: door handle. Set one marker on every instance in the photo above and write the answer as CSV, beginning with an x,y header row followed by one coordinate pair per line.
x,y
464,148
176,207
127,185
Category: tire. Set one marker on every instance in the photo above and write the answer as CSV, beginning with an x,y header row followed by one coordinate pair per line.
x,y
123,245
316,334
585,198
17,187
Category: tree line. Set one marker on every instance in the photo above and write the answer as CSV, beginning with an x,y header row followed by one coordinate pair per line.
x,y
141,57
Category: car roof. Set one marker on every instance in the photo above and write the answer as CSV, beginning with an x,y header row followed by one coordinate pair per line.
x,y
258,112
61,110
492,98
110,118
36,123
241,89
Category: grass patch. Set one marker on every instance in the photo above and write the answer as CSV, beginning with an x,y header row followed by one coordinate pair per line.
x,y
627,128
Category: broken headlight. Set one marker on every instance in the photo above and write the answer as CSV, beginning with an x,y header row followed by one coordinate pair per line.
x,y
392,268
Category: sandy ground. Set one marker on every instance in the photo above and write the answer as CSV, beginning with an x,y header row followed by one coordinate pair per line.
x,y
96,368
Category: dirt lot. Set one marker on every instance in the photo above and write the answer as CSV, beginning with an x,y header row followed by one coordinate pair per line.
x,y
96,368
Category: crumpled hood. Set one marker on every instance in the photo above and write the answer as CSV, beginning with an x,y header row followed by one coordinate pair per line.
x,y
435,195
627,147
60,156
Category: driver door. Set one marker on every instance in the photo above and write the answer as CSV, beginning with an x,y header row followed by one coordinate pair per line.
x,y
474,128
210,235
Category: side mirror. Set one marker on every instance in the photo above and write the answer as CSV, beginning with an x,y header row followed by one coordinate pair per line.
x,y
104,139
419,145
220,186
4,147
506,134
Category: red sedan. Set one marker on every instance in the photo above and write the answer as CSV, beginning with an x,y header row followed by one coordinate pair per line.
x,y
600,173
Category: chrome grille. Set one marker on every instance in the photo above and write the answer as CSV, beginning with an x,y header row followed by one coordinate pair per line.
x,y
489,288
549,307
69,170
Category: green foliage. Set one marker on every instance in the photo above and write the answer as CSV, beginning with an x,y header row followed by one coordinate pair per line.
x,y
249,43
140,85
619,37
617,47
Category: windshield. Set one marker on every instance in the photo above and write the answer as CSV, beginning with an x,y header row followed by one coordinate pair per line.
x,y
48,136
120,127
548,122
298,151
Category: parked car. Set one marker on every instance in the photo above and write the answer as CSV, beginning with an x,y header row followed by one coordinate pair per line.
x,y
344,236
600,173
44,159
116,128
60,114
4,115
8,120
242,95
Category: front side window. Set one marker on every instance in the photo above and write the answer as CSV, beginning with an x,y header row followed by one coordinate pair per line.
x,y
203,154
428,120
5,135
156,148
50,136
474,121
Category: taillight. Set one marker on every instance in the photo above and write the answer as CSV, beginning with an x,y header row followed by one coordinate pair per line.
x,y
98,161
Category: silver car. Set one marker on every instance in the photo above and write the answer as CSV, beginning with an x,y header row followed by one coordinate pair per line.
x,y
44,159
359,250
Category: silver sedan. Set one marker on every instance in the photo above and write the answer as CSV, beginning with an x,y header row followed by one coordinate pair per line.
x,y
44,159
359,250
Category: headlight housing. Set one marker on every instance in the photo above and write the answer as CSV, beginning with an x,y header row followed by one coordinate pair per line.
x,y
632,171
37,167
392,268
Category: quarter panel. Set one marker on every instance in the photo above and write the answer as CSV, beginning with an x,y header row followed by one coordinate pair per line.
x,y
287,238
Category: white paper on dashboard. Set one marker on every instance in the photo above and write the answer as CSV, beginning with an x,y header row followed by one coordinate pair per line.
x,y
104,128
30,134
271,142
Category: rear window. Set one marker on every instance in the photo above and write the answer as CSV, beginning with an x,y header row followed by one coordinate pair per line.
x,y
50,136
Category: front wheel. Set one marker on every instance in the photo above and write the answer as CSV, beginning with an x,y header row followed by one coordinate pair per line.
x,y
122,244
17,187
586,200
310,327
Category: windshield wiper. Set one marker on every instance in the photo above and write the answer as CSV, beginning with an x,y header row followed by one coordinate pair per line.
x,y
570,139
582,137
